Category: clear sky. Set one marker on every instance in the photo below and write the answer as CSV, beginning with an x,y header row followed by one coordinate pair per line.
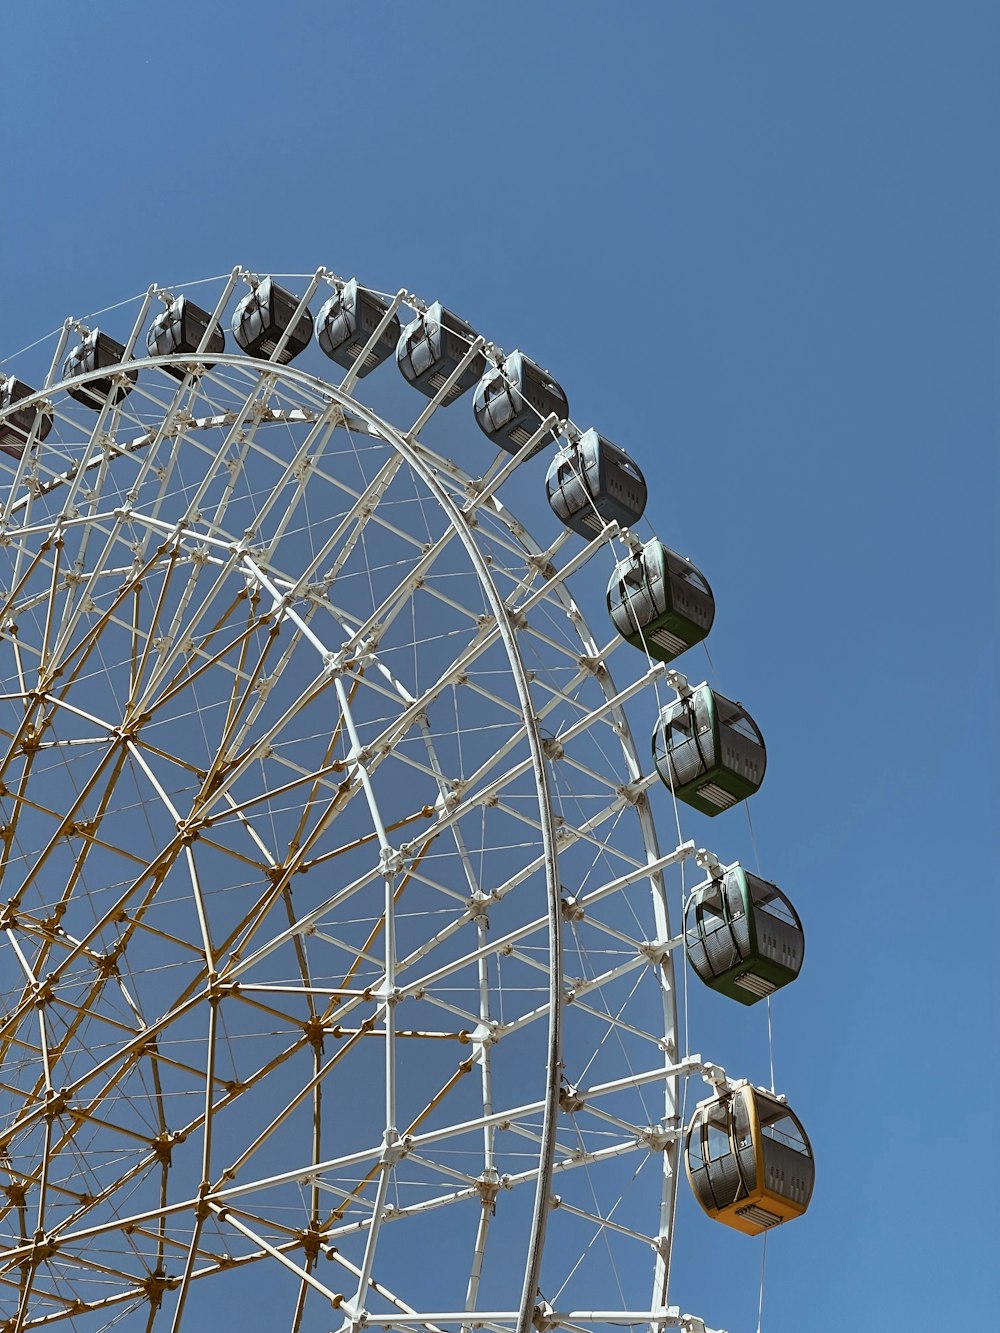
x,y
756,240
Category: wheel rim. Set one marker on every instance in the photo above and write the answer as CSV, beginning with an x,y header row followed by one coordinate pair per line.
x,y
173,656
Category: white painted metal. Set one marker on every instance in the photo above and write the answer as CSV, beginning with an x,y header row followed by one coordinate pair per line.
x,y
194,553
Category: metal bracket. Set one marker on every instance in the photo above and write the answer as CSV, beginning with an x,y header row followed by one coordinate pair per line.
x,y
709,862
679,682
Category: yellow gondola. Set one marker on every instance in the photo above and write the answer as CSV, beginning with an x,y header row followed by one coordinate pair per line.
x,y
748,1160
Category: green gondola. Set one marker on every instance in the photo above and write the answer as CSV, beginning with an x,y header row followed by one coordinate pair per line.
x,y
743,937
659,602
708,750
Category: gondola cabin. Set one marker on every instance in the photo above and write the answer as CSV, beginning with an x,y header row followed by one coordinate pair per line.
x,y
432,347
261,319
748,1160
347,321
17,423
659,602
513,399
181,328
742,935
708,750
98,351
593,482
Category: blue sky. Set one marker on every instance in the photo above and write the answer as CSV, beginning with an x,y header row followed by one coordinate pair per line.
x,y
756,242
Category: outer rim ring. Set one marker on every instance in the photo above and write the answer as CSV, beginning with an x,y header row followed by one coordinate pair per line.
x,y
418,459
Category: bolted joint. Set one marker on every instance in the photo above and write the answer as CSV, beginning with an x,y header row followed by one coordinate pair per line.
x,y
571,907
155,1285
631,793
486,1034
394,1148
570,1099
542,564
391,862
42,1248
656,1138
56,1103
447,800
479,906
163,1145
107,963
541,1317
654,951
314,1032
334,663
488,1187
311,1241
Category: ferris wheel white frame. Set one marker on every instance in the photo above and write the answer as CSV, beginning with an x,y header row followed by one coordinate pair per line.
x,y
445,481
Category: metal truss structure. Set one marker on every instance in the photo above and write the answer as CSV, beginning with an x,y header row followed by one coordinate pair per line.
x,y
335,952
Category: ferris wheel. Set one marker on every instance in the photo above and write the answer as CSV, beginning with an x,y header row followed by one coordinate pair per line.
x,y
336,957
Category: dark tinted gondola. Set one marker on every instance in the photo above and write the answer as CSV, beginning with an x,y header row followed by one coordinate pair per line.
x,y
181,328
512,400
742,935
17,422
593,482
430,349
708,750
659,602
98,351
261,318
347,321
748,1160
